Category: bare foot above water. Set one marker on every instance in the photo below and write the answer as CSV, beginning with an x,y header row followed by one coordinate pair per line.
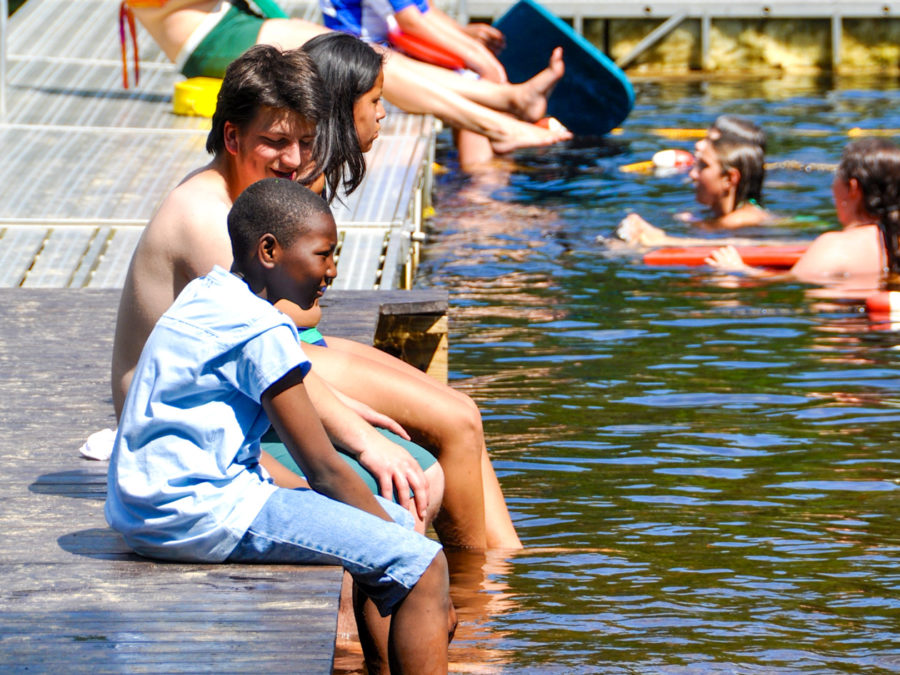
x,y
529,100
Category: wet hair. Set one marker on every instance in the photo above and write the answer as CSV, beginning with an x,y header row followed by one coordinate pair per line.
x,y
265,76
875,164
748,159
739,129
349,68
276,206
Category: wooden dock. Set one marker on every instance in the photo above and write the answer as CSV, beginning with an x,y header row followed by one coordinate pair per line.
x,y
74,598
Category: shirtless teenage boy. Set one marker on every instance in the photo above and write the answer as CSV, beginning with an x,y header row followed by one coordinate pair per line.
x,y
179,28
264,127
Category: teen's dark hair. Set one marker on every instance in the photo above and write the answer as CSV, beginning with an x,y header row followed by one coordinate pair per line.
x,y
265,76
741,129
349,68
875,164
748,159
274,206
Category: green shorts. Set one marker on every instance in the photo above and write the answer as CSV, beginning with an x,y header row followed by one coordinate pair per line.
x,y
234,34
273,445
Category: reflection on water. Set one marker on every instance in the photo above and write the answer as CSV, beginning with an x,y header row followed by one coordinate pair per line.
x,y
703,470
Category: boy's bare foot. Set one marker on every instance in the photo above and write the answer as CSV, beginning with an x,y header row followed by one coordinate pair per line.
x,y
529,100
516,135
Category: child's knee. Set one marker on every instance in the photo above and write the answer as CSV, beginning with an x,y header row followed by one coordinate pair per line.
x,y
465,418
434,474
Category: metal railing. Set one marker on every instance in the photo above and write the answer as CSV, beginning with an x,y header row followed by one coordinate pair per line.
x,y
4,22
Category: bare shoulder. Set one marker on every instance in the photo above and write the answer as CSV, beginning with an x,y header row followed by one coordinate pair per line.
x,y
748,215
196,209
841,254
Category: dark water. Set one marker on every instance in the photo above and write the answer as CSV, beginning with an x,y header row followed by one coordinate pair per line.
x,y
704,470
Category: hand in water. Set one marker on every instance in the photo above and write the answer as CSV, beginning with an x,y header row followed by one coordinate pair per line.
x,y
638,232
726,259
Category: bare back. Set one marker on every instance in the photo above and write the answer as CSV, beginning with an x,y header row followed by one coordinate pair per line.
x,y
187,236
856,252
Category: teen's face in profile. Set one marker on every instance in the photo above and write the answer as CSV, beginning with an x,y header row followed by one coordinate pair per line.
x,y
276,143
709,181
368,112
306,267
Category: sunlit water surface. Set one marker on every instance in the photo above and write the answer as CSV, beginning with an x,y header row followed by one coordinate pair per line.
x,y
703,470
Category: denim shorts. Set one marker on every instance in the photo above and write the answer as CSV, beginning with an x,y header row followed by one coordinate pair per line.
x,y
304,527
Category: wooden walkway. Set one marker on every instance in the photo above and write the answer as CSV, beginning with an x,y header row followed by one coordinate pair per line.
x,y
87,162
74,598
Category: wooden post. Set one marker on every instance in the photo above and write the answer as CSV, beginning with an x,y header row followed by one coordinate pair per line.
x,y
837,29
417,334
705,27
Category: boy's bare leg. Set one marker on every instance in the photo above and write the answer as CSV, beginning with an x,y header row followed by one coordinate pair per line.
x,y
374,632
472,149
423,624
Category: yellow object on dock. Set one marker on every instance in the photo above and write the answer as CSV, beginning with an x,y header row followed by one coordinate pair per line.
x,y
196,96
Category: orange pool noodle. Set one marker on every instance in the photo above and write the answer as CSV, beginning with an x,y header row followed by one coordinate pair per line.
x,y
778,257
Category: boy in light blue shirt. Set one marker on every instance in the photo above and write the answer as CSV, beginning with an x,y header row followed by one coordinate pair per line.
x,y
221,364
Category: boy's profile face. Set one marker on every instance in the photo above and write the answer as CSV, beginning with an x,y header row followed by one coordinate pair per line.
x,y
305,268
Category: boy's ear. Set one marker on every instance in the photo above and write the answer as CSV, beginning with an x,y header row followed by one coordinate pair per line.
x,y
230,132
268,250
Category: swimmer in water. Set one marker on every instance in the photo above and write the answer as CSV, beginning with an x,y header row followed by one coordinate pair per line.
x,y
728,174
866,192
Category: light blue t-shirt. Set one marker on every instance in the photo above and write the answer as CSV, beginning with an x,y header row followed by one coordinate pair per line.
x,y
184,479
366,19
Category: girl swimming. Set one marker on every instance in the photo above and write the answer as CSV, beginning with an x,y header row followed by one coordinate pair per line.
x,y
866,192
728,174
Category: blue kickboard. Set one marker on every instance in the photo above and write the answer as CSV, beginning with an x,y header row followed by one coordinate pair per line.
x,y
593,97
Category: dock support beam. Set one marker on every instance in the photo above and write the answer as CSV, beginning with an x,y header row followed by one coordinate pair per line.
x,y
837,30
655,36
705,27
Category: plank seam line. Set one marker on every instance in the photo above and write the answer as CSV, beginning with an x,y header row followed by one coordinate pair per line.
x,y
82,257
95,266
18,126
75,222
34,259
145,65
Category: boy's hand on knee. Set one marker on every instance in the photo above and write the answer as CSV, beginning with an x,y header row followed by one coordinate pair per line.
x,y
396,471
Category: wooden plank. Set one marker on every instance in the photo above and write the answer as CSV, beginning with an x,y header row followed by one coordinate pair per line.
x,y
18,247
59,258
112,266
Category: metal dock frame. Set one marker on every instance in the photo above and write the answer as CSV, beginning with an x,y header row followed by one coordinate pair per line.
x,y
87,162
